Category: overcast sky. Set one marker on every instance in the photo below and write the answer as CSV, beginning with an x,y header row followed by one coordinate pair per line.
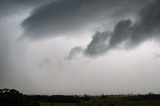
x,y
80,46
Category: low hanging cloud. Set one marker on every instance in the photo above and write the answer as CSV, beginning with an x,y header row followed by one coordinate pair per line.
x,y
62,17
105,41
127,34
11,7
98,44
74,52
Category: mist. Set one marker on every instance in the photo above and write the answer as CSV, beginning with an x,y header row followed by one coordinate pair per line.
x,y
80,46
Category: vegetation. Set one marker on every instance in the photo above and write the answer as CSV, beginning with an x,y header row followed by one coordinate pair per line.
x,y
11,97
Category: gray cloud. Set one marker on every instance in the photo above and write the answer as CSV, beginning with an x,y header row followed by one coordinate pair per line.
x,y
104,41
127,34
29,2
10,7
19,60
74,52
63,16
148,24
99,44
54,16
121,32
16,3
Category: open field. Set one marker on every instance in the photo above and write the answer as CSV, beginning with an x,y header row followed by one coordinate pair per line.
x,y
111,101
58,104
11,97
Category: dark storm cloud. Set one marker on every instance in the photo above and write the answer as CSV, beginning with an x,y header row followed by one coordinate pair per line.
x,y
10,7
65,16
127,34
11,3
98,44
2,2
148,24
121,32
104,41
54,16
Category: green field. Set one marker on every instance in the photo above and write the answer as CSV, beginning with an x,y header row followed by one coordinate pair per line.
x,y
109,101
58,104
11,97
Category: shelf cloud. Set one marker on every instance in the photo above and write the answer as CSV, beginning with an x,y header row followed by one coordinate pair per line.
x,y
62,17
128,34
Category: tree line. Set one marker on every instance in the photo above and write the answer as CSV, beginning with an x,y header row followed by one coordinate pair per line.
x,y
12,97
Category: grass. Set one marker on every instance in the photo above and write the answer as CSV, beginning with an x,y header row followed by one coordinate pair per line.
x,y
109,101
106,103
65,104
58,104
47,104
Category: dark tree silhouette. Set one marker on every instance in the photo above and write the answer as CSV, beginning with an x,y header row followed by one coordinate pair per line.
x,y
11,97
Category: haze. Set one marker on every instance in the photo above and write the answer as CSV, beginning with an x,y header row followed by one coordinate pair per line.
x,y
80,46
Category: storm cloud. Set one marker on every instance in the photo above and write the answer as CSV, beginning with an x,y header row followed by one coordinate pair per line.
x,y
62,17
119,32
128,34
98,44
12,7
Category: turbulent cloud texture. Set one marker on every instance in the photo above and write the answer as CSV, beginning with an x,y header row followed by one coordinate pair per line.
x,y
126,33
39,67
62,17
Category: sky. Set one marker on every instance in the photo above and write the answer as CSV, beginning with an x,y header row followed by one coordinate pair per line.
x,y
80,47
